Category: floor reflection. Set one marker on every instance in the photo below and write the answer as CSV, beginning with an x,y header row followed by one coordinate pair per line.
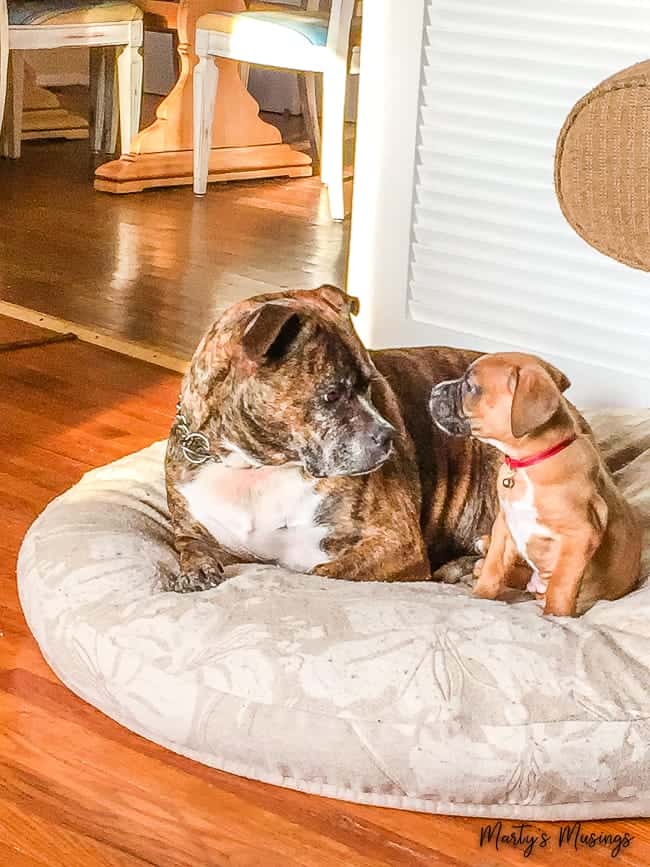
x,y
156,266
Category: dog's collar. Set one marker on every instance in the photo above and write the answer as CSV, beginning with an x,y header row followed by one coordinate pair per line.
x,y
520,463
194,445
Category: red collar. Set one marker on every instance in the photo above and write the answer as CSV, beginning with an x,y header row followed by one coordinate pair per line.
x,y
516,463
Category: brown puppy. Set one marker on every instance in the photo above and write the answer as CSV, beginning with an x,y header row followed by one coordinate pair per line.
x,y
295,445
560,508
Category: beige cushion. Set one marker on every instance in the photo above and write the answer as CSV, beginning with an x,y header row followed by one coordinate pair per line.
x,y
264,21
411,696
49,12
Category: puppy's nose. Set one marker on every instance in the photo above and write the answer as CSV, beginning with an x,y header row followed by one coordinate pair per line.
x,y
440,401
384,437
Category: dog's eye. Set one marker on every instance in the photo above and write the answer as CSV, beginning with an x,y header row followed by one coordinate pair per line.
x,y
364,387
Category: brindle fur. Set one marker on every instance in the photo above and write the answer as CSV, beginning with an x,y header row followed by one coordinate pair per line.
x,y
425,506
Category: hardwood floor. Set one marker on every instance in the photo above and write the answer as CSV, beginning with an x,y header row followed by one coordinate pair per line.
x,y
78,790
157,266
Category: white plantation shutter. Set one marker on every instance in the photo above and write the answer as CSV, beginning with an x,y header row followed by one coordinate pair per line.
x,y
491,255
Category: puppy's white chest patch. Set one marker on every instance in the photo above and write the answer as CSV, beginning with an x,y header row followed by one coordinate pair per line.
x,y
267,512
523,522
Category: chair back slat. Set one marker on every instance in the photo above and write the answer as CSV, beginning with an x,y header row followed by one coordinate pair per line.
x,y
338,33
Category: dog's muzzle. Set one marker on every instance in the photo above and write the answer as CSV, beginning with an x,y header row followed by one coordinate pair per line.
x,y
378,451
356,455
446,408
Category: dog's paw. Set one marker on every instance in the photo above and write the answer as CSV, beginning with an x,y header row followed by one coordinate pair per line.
x,y
197,573
460,571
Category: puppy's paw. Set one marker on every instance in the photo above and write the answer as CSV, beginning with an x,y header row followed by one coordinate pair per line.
x,y
487,588
478,567
460,571
553,608
198,572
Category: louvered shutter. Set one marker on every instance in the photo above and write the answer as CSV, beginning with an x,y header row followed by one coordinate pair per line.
x,y
491,255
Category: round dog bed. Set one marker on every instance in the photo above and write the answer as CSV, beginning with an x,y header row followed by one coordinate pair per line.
x,y
412,696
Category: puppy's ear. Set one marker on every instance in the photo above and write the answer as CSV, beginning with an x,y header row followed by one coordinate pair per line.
x,y
535,400
560,379
338,299
270,332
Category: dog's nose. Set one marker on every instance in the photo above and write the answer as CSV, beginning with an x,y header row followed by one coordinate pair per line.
x,y
384,437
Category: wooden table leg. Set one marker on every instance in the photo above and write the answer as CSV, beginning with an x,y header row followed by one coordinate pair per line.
x,y
243,145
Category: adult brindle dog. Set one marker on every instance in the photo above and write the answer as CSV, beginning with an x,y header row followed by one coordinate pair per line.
x,y
295,445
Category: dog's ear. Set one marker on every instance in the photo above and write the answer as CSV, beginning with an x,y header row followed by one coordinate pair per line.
x,y
338,299
535,399
270,332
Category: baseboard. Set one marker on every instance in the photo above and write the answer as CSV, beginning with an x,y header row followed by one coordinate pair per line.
x,y
141,351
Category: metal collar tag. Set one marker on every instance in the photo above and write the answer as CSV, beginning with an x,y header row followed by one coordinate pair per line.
x,y
194,445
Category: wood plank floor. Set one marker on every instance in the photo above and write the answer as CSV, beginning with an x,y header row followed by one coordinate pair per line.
x,y
78,790
158,266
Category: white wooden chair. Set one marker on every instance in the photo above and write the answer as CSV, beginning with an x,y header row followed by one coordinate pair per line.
x,y
306,41
34,24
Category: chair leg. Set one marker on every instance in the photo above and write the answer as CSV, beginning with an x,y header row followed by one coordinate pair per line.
x,y
112,110
334,84
97,98
96,102
4,67
13,115
129,81
309,107
206,77
103,100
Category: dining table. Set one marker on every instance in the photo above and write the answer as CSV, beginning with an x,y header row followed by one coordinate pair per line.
x,y
243,145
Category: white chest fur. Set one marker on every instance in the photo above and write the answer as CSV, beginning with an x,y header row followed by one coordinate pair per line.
x,y
266,512
523,522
